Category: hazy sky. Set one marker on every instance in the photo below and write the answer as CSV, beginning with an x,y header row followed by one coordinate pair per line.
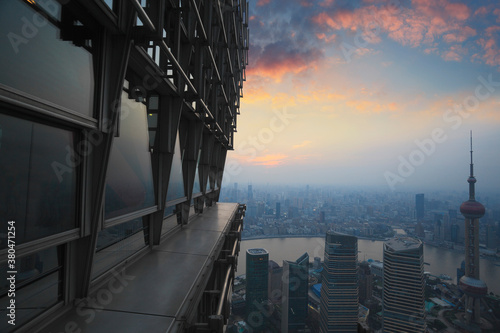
x,y
376,93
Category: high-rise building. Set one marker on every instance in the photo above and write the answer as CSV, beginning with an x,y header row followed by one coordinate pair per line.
x,y
278,210
473,288
257,268
339,289
250,193
419,206
365,282
454,230
116,118
404,285
274,281
294,296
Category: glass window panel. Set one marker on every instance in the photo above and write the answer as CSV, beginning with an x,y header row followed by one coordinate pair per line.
x,y
38,189
176,182
117,243
169,223
197,186
169,211
109,3
36,61
129,186
38,286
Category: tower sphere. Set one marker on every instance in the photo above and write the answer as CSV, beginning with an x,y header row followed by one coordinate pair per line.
x,y
472,209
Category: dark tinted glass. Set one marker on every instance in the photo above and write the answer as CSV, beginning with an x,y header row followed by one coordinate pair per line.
x,y
36,61
129,186
38,188
38,286
116,243
176,182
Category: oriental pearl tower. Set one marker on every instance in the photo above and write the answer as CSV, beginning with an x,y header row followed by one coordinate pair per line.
x,y
473,288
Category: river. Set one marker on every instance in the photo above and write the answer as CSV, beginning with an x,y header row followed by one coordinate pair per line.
x,y
441,261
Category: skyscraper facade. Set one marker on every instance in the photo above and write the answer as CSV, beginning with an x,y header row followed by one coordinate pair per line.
x,y
404,284
419,206
275,276
257,267
473,288
294,295
339,289
116,118
365,282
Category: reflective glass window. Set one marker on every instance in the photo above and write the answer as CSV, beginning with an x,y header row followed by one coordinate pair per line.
x,y
116,243
176,182
38,286
38,173
35,60
197,186
129,185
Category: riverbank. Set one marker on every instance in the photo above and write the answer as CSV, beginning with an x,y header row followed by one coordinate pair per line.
x,y
303,236
440,260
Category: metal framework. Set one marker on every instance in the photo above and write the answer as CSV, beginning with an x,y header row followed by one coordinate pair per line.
x,y
188,58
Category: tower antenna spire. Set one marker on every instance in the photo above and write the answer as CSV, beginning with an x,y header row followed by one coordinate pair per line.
x,y
472,179
471,162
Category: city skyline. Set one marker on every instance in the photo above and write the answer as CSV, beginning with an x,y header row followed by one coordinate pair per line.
x,y
366,93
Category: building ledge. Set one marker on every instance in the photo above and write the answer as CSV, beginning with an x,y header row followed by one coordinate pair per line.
x,y
161,291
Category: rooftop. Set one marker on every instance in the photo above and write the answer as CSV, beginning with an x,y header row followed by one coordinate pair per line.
x,y
257,251
403,243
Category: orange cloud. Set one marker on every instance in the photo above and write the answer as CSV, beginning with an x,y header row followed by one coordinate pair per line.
x,y
421,24
497,13
276,65
327,39
270,160
481,11
460,36
490,47
454,53
303,144
254,94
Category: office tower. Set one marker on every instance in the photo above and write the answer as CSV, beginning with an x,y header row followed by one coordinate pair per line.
x,y
116,118
454,230
339,289
322,217
317,263
365,282
250,193
419,206
257,287
261,207
404,285
470,283
278,210
294,297
235,193
275,276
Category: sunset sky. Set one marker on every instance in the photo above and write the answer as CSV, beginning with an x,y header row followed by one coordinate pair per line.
x,y
370,93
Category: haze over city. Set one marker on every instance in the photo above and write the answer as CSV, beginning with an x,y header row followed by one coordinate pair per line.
x,y
370,93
